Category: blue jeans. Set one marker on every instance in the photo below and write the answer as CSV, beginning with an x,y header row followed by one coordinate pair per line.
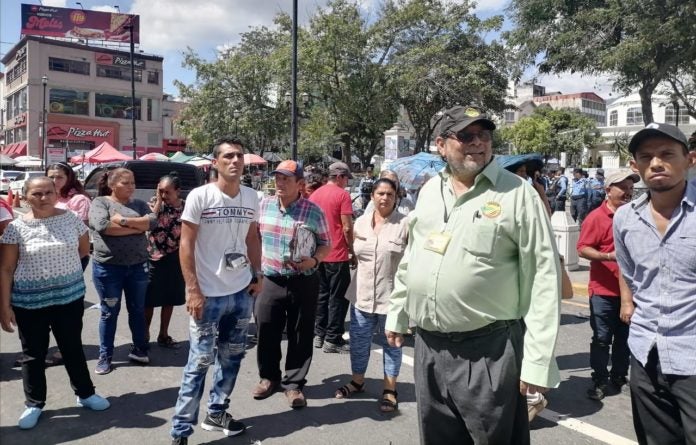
x,y
111,281
218,338
607,330
362,328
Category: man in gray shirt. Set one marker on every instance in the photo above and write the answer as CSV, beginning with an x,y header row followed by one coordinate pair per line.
x,y
655,238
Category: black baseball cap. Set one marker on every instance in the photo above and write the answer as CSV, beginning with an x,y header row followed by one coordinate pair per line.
x,y
657,129
458,118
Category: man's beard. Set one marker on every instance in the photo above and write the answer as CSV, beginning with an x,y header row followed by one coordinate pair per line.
x,y
466,169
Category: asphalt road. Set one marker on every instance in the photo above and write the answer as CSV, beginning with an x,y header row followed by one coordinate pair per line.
x,y
143,397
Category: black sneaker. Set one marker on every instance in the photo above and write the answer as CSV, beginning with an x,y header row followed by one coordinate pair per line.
x,y
318,342
619,383
332,348
223,422
180,441
598,391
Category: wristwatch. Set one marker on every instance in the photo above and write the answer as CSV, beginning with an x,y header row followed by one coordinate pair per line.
x,y
122,222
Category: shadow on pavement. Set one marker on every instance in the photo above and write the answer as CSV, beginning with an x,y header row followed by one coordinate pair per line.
x,y
577,361
570,399
573,319
74,423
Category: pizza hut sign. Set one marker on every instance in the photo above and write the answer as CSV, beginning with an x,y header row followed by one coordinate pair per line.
x,y
78,132
109,59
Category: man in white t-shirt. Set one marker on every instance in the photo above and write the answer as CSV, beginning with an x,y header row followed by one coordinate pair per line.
x,y
220,254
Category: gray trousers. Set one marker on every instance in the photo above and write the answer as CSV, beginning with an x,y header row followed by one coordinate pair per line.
x,y
467,386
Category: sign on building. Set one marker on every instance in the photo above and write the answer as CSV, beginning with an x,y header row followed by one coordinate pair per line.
x,y
49,21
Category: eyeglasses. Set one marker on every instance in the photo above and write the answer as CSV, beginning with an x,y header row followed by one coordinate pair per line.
x,y
468,138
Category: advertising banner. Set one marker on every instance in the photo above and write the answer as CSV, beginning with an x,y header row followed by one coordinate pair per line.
x,y
49,21
55,154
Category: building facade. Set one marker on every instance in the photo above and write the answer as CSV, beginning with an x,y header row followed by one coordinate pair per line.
x,y
86,98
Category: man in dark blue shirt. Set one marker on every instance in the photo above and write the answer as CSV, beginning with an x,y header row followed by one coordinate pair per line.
x,y
579,196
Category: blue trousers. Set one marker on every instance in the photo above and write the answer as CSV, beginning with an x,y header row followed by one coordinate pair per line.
x,y
608,330
218,339
363,327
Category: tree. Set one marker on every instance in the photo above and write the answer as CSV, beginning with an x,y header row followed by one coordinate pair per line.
x,y
639,42
550,132
341,66
438,57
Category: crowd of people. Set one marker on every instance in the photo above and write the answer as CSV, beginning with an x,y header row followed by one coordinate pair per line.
x,y
472,269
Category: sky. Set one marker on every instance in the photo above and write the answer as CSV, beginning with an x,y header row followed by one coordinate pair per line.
x,y
168,27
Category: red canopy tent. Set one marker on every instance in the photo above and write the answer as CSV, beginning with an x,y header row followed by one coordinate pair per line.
x,y
253,159
104,152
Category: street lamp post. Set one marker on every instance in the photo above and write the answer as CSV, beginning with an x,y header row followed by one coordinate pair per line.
x,y
236,114
293,85
132,66
675,104
44,82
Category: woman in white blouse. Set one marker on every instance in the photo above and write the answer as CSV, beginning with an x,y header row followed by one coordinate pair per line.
x,y
380,236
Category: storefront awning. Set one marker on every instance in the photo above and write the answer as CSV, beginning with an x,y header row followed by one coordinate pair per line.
x,y
20,149
7,149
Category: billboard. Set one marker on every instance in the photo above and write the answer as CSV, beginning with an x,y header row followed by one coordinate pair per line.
x,y
48,21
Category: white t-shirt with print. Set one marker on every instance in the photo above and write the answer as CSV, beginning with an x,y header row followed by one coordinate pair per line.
x,y
223,223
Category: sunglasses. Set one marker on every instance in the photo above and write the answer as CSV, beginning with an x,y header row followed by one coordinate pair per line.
x,y
468,137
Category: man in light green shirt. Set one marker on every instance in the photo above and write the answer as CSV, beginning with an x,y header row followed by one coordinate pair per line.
x,y
481,279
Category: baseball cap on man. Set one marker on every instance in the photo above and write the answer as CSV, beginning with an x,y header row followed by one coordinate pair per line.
x,y
656,129
290,168
458,118
622,175
339,168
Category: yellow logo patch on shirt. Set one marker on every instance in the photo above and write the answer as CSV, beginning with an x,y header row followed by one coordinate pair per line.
x,y
471,112
491,209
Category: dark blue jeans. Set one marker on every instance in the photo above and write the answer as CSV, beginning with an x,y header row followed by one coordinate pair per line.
x,y
607,330
332,306
111,282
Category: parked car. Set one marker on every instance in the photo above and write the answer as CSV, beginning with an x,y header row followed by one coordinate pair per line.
x,y
147,175
7,176
18,182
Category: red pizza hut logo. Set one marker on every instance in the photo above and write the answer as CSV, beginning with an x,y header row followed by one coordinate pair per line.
x,y
105,59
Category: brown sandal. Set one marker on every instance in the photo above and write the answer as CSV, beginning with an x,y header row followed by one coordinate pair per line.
x,y
346,391
386,405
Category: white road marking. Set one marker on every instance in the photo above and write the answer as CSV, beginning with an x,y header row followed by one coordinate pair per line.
x,y
585,428
562,420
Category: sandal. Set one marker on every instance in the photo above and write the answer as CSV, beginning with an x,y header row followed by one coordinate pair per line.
x,y
167,342
346,391
387,405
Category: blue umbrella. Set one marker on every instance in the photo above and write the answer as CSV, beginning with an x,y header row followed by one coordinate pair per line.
x,y
513,162
414,171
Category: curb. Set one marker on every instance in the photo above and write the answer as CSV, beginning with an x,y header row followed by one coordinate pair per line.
x,y
580,290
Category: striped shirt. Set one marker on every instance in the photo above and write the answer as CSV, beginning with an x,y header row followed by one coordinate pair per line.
x,y
277,227
661,273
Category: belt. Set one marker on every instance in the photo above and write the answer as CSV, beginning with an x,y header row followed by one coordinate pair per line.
x,y
462,336
577,197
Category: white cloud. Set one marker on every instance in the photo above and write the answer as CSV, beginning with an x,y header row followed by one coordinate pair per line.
x,y
495,6
167,25
568,83
55,3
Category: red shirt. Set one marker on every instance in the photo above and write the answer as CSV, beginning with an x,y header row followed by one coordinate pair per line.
x,y
597,232
334,201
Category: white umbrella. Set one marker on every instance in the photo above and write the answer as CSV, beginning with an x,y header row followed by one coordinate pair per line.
x,y
199,161
27,158
29,164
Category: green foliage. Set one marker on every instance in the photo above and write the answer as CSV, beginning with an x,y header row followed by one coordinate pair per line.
x,y
414,59
550,132
638,42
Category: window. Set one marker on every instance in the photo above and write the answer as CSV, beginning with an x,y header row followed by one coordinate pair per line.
x,y
118,72
509,117
153,77
119,107
671,116
16,72
16,103
634,116
614,118
68,102
68,66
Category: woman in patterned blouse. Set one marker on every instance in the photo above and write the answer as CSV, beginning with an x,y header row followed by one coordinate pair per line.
x,y
166,286
42,290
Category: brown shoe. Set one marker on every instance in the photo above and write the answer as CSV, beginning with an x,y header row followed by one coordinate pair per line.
x,y
295,398
265,388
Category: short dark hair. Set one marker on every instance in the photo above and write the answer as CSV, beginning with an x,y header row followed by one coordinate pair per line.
x,y
173,178
229,140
